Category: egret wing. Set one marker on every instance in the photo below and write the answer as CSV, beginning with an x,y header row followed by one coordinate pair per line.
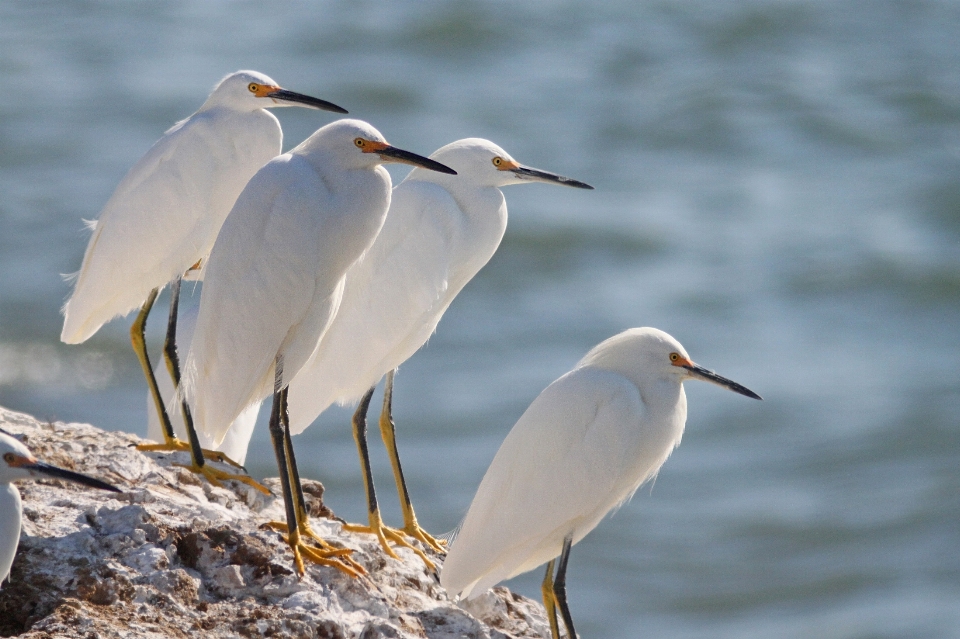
x,y
164,214
391,294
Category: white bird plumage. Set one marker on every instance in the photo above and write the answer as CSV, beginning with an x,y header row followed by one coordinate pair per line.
x,y
16,462
164,215
582,448
275,277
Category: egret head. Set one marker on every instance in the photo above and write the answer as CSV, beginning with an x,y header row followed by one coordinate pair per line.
x,y
16,462
482,163
250,90
648,354
357,144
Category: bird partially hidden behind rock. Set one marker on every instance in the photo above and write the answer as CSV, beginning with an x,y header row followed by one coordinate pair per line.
x,y
16,462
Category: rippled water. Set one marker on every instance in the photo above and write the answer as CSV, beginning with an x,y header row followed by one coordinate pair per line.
x,y
778,186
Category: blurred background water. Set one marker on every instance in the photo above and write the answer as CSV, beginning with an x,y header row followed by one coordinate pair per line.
x,y
778,186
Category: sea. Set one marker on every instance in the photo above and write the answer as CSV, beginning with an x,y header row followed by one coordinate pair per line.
x,y
777,186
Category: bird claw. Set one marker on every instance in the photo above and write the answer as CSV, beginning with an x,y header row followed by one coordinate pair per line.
x,y
216,476
385,533
325,555
414,530
178,445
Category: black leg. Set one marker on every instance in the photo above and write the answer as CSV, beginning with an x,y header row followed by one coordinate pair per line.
x,y
279,449
560,588
360,436
291,458
173,367
278,437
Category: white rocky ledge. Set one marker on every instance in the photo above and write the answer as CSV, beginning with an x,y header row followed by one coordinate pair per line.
x,y
174,556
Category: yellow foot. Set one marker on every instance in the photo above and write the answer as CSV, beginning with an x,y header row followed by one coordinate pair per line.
x,y
177,445
386,535
414,530
216,476
325,555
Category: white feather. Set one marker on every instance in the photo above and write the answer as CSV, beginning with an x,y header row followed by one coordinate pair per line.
x,y
275,276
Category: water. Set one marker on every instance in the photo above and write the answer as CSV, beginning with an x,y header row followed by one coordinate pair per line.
x,y
777,186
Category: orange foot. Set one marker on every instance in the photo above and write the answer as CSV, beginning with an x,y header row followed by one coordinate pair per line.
x,y
178,445
325,555
386,535
216,476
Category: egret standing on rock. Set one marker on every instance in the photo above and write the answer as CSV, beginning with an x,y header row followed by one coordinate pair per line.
x,y
16,462
273,284
582,448
441,230
164,216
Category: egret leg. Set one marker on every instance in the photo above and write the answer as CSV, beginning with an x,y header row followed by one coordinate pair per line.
x,y
303,517
560,588
376,527
173,443
138,339
279,449
173,367
389,435
279,438
549,600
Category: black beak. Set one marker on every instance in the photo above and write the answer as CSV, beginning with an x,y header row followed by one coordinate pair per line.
x,y
528,173
306,100
393,154
709,376
62,473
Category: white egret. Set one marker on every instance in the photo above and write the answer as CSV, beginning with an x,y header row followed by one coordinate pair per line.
x,y
581,449
16,463
273,283
164,216
237,439
441,230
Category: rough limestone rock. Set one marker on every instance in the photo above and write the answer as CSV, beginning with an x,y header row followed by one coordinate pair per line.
x,y
173,556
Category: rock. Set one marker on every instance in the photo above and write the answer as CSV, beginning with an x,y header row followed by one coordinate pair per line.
x,y
174,556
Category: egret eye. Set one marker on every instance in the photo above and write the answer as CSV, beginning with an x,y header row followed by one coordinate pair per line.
x,y
9,458
253,87
359,142
497,161
674,357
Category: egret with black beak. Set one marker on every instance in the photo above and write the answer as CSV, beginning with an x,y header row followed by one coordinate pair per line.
x,y
581,449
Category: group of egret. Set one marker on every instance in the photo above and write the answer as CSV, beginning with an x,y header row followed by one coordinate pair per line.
x,y
319,280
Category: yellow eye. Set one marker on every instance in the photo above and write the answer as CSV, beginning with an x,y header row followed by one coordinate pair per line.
x,y
359,142
9,458
674,357
497,161
253,86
